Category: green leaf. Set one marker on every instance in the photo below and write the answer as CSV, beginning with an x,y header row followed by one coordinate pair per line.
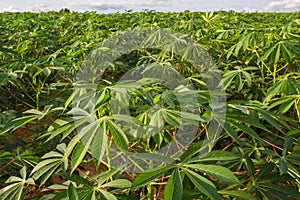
x,y
17,123
294,157
194,149
119,183
185,115
282,166
118,135
218,155
78,155
247,120
98,146
127,119
153,157
56,132
46,171
202,184
156,122
174,189
75,178
13,191
72,193
275,89
249,166
45,163
219,172
286,103
292,133
267,53
269,117
108,195
277,54
3,78
47,71
88,130
172,119
239,194
101,178
246,129
23,173
227,80
231,132
287,146
13,179
8,50
149,176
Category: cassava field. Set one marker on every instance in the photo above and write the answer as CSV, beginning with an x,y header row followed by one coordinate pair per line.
x,y
150,105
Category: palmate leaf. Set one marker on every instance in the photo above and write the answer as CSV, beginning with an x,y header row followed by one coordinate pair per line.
x,y
118,135
118,183
108,195
75,178
269,117
106,175
285,103
267,53
53,161
193,150
98,146
172,119
219,172
250,166
245,129
45,172
17,123
90,137
294,157
285,86
174,189
149,176
231,132
218,155
240,76
202,184
268,183
243,36
279,50
246,119
78,155
12,192
3,78
15,191
87,130
152,157
63,126
157,122
72,193
239,194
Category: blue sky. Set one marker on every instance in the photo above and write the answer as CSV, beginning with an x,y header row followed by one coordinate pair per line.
x,y
107,6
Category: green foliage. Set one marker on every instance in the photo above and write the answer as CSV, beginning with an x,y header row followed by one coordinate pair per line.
x,y
46,132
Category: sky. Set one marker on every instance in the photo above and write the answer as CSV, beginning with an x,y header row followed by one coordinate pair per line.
x,y
110,6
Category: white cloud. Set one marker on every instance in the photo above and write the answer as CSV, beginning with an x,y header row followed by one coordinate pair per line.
x,y
249,9
118,6
284,5
96,6
10,9
39,8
